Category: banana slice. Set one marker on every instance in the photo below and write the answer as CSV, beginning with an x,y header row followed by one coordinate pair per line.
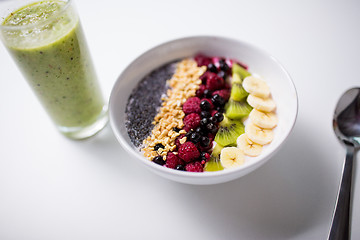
x,y
261,104
247,146
231,157
259,135
263,119
256,87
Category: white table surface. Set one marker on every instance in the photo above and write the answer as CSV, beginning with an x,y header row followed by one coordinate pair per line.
x,y
55,188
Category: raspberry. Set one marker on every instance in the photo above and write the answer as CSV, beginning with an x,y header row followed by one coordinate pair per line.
x,y
214,82
202,60
200,91
192,105
191,121
203,78
224,93
227,86
188,152
216,61
172,160
194,167
177,140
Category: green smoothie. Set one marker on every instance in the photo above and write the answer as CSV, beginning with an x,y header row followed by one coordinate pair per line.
x,y
54,59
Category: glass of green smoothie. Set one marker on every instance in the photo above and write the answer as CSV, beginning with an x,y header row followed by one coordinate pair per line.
x,y
46,41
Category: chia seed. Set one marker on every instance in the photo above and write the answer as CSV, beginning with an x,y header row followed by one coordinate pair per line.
x,y
145,101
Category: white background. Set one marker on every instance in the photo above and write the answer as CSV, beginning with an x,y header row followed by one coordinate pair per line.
x,y
55,188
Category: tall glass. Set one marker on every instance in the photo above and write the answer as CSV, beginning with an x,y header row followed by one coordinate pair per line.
x,y
46,41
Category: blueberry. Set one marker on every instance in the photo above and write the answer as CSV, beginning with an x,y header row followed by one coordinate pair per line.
x,y
205,105
204,121
223,66
205,114
212,68
158,146
180,167
175,129
222,74
205,141
218,116
195,137
211,127
219,109
212,119
217,100
207,93
159,160
199,130
188,134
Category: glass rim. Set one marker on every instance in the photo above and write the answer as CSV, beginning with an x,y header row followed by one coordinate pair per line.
x,y
36,24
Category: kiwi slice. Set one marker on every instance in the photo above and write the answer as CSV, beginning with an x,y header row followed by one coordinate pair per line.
x,y
214,162
238,93
237,109
236,68
229,131
236,78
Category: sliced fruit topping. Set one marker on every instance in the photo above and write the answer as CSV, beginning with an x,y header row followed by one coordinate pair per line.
x,y
261,104
263,119
231,157
238,93
243,73
213,164
259,135
256,86
236,78
237,110
228,132
212,135
247,146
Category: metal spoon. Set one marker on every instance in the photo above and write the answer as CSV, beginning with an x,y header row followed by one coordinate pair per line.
x,y
346,123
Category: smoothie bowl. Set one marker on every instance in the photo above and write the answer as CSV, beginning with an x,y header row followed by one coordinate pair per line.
x,y
203,110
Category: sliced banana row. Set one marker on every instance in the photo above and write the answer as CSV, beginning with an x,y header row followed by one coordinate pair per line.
x,y
258,131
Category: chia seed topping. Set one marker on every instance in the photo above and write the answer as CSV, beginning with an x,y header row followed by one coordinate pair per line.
x,y
144,102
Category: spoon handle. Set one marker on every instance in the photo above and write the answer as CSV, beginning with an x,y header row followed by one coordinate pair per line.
x,y
341,223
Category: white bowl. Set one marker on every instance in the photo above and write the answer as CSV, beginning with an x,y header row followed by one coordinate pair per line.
x,y
259,62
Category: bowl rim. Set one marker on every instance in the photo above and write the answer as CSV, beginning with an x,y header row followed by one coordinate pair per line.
x,y
165,170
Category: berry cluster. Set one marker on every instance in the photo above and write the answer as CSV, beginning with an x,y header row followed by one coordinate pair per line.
x,y
203,113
